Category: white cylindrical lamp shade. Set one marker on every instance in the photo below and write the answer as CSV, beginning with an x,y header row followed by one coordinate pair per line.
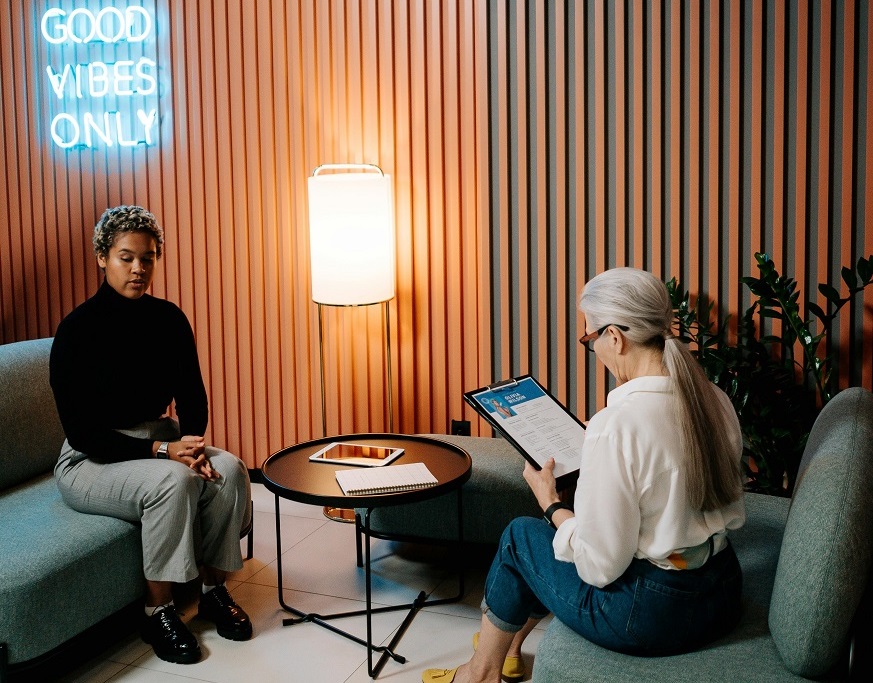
x,y
351,238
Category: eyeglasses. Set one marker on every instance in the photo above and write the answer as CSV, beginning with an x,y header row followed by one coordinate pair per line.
x,y
588,338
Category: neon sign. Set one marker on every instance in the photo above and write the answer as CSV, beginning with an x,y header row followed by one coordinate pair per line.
x,y
102,103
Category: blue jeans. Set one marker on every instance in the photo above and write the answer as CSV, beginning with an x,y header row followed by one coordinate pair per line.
x,y
646,611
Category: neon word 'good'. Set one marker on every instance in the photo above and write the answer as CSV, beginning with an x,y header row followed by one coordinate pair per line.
x,y
109,25
108,128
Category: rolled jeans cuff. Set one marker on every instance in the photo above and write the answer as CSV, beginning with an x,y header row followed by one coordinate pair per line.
x,y
505,625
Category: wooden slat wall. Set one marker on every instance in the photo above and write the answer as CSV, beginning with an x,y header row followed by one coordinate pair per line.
x,y
531,146
257,94
700,133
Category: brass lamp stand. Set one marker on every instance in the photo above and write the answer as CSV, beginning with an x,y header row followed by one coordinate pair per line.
x,y
352,252
347,514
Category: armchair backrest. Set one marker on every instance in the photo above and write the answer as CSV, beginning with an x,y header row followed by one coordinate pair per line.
x,y
30,430
824,564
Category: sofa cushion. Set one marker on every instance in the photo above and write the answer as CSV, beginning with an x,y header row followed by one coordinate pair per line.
x,y
56,566
31,430
562,653
495,494
824,565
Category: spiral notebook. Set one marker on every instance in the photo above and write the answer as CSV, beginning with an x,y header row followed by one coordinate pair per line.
x,y
361,482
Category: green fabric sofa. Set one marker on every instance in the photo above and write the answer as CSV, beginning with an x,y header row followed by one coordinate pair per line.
x,y
806,565
806,561
61,571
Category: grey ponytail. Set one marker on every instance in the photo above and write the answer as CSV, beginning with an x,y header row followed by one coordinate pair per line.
x,y
639,301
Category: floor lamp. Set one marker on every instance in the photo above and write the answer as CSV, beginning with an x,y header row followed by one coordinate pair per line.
x,y
352,255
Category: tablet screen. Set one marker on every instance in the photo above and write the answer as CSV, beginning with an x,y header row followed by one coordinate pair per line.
x,y
342,453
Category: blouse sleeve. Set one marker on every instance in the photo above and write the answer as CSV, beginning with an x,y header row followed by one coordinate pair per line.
x,y
601,539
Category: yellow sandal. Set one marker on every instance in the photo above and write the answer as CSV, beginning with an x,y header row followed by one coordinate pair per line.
x,y
513,667
438,675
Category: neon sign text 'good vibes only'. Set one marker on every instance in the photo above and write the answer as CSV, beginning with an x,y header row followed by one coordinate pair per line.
x,y
121,95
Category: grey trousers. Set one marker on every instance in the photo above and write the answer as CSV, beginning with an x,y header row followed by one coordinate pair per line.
x,y
186,521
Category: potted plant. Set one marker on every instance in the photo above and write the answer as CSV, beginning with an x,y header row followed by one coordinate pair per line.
x,y
771,368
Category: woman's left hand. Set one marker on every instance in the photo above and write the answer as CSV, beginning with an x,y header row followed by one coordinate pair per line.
x,y
202,467
542,483
194,456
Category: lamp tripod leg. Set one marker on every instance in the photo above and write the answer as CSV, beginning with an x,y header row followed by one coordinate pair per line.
x,y
388,363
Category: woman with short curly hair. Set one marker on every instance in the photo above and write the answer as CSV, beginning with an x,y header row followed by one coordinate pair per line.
x,y
118,362
122,219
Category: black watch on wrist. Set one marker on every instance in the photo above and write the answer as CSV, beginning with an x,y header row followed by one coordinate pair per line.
x,y
163,451
554,507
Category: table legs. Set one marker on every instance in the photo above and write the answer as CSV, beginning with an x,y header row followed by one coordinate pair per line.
x,y
413,608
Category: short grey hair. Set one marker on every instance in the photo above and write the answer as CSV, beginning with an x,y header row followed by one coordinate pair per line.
x,y
122,219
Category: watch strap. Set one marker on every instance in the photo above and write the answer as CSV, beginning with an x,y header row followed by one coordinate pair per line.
x,y
550,511
163,450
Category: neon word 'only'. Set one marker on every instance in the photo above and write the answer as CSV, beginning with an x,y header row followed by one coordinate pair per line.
x,y
108,128
109,25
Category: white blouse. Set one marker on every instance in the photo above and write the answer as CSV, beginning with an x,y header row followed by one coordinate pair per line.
x,y
630,499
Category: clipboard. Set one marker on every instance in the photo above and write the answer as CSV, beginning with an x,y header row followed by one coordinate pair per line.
x,y
532,420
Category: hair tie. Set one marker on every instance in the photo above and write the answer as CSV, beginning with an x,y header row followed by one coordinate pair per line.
x,y
669,335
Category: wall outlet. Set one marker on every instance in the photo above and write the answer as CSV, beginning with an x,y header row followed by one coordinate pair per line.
x,y
460,427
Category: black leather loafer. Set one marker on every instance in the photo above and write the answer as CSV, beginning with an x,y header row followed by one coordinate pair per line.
x,y
170,638
230,619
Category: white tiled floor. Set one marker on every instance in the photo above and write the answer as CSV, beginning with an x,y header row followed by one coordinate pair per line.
x,y
319,575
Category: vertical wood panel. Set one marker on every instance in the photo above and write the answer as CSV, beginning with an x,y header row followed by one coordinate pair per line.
x,y
255,96
867,317
822,155
620,141
693,162
502,265
600,240
843,210
712,105
564,313
638,226
519,140
757,125
734,226
520,162
712,287
674,102
540,229
801,108
578,121
777,211
656,116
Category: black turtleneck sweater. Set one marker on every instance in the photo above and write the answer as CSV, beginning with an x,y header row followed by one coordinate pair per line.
x,y
117,362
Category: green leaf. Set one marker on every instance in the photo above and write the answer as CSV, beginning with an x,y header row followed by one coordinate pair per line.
x,y
865,269
829,293
849,277
816,310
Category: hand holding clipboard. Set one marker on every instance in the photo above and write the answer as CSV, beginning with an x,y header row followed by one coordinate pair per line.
x,y
532,420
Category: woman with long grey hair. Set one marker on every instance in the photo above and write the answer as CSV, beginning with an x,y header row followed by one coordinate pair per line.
x,y
641,562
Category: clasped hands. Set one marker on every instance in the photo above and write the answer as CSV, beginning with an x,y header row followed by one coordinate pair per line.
x,y
191,452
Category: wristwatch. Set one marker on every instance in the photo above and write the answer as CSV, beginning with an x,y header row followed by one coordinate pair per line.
x,y
163,451
554,507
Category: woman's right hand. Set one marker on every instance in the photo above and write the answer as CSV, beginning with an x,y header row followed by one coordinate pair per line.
x,y
191,451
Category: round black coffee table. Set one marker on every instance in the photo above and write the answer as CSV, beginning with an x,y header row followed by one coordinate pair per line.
x,y
290,474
